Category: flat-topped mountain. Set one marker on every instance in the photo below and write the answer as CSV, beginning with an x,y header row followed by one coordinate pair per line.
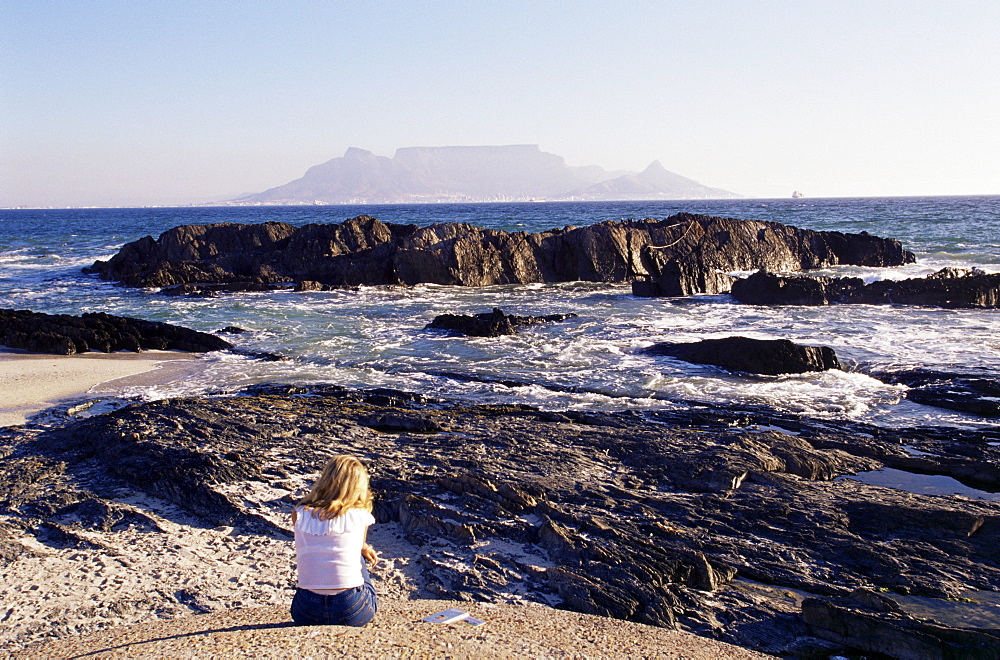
x,y
473,174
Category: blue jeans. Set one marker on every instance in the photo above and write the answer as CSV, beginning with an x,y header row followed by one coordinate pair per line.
x,y
354,607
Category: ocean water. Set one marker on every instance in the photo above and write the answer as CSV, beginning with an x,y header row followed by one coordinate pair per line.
x,y
375,337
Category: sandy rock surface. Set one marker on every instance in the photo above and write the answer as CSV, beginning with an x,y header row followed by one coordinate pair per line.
x,y
526,631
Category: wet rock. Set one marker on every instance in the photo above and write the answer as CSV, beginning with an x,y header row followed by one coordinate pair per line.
x,y
308,285
263,356
490,324
232,330
213,290
874,625
949,287
396,422
305,286
63,334
763,288
968,471
760,356
675,279
969,391
366,251
868,517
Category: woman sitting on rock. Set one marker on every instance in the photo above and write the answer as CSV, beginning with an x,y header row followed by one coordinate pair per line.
x,y
331,553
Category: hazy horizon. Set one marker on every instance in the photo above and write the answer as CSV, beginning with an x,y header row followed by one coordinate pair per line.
x,y
107,104
227,204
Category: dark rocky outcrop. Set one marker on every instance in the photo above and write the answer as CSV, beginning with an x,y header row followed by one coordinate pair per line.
x,y
232,330
213,290
758,356
874,623
490,324
63,334
949,287
366,251
674,279
968,391
699,262
673,517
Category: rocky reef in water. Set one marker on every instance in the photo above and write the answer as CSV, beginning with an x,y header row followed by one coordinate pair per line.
x,y
705,518
949,287
490,324
971,390
684,253
758,356
64,334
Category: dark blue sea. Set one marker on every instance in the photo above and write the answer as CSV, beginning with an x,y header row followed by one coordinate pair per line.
x,y
375,337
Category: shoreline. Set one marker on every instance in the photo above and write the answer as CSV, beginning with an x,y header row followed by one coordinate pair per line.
x,y
33,382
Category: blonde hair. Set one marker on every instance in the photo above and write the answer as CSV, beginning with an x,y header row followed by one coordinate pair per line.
x,y
343,485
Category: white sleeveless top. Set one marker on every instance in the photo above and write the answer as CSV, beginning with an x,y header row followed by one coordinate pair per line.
x,y
328,552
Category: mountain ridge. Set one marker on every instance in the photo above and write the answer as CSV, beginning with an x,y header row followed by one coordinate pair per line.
x,y
473,174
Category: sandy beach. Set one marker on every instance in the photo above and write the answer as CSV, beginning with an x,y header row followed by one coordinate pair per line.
x,y
30,382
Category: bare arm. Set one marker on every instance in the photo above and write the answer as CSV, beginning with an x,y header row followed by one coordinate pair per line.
x,y
368,552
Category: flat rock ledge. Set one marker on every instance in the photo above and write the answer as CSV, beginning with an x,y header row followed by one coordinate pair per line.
x,y
523,631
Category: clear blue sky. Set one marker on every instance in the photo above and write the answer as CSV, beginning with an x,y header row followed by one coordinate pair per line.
x,y
119,103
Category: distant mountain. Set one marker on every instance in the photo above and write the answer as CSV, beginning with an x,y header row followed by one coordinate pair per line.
x,y
654,182
473,174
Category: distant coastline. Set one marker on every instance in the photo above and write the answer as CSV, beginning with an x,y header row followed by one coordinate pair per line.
x,y
236,203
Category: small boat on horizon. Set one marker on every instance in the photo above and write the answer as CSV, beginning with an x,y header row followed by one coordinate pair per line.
x,y
797,195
